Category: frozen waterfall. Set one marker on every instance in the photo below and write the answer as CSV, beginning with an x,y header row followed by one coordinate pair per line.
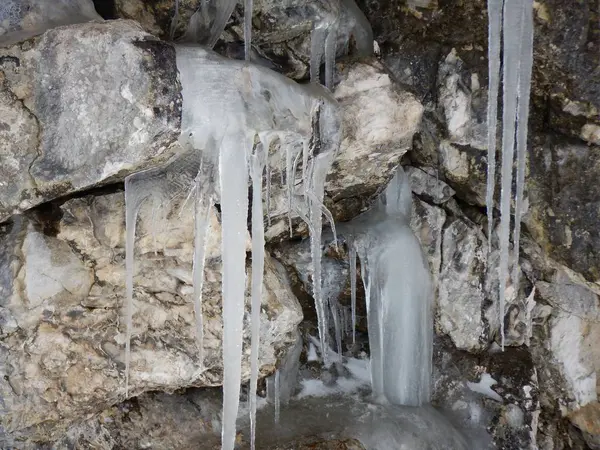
x,y
399,297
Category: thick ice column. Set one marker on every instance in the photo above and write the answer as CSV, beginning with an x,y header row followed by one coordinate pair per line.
x,y
494,42
233,176
524,90
512,55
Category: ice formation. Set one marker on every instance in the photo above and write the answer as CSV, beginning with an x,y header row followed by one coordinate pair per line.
x,y
516,19
231,126
335,21
342,20
22,19
399,298
207,24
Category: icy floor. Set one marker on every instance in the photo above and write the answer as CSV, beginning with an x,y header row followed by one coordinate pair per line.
x,y
342,409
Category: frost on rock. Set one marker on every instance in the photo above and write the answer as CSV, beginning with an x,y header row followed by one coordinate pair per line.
x,y
232,114
517,36
398,295
22,19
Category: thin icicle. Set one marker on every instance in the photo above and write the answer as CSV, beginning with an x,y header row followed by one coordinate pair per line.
x,y
494,38
352,251
247,31
337,326
203,206
234,212
511,35
132,208
522,127
317,45
330,53
257,166
290,179
174,21
224,10
277,396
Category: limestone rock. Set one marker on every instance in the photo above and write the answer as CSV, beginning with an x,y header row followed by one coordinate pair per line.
x,y
61,328
462,285
83,105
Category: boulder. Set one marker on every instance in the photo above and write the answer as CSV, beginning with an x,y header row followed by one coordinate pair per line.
x,y
62,331
83,105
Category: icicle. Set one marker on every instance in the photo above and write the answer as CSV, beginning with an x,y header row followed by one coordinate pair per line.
x,y
330,53
352,251
524,90
398,294
132,208
247,30
317,44
234,212
203,205
511,35
199,31
494,38
290,180
257,165
361,30
174,21
224,10
337,326
277,396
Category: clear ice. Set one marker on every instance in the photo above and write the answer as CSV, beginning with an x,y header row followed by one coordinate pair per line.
x,y
399,298
516,21
232,112
23,19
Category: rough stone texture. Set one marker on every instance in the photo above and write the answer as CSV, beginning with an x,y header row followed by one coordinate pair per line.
x,y
83,105
565,202
462,285
373,143
62,284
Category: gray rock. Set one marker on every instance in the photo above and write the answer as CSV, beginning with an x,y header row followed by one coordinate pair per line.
x,y
462,285
62,332
66,127
563,196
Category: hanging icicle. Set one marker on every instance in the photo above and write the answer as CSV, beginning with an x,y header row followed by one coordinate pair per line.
x,y
517,37
257,166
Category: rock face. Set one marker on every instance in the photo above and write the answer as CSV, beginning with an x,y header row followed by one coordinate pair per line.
x,y
62,335
83,105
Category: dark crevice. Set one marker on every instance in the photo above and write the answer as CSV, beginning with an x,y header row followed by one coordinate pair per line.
x,y
106,8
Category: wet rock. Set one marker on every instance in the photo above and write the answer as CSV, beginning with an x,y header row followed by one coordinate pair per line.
x,y
62,328
65,127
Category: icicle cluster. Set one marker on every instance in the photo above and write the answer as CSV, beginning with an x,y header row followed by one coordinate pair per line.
x,y
515,19
228,127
